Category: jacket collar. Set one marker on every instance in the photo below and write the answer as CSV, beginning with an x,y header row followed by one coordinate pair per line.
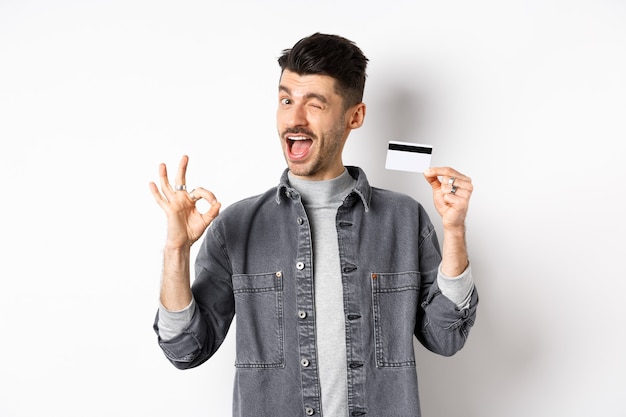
x,y
362,190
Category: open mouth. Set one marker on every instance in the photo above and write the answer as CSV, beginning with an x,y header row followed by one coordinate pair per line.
x,y
299,145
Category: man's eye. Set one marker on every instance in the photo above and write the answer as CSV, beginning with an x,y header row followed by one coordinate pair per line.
x,y
285,101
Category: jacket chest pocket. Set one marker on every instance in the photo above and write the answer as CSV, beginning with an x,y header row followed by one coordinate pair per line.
x,y
259,320
395,303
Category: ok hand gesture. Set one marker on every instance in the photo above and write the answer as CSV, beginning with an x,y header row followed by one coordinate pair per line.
x,y
185,223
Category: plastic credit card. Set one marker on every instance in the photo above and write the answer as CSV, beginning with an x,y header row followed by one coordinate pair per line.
x,y
406,156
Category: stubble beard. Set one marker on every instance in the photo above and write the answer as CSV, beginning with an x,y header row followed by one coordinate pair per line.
x,y
326,155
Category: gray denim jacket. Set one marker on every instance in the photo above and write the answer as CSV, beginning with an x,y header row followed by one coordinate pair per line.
x,y
256,261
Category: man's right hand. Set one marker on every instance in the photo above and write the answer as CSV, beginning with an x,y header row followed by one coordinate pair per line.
x,y
185,223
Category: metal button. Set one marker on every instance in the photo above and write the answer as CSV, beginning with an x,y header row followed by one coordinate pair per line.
x,y
302,314
279,274
300,220
309,411
305,362
300,265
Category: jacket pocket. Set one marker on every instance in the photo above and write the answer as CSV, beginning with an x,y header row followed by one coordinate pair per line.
x,y
259,318
395,303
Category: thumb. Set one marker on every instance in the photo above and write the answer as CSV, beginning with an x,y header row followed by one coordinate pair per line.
x,y
431,176
213,212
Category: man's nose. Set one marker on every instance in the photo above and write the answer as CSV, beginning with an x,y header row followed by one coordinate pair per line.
x,y
297,116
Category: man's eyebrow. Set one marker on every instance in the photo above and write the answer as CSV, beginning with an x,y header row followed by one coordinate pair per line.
x,y
307,96
317,96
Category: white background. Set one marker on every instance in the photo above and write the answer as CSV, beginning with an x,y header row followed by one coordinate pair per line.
x,y
526,97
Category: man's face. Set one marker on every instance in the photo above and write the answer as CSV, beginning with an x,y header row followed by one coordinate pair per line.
x,y
313,125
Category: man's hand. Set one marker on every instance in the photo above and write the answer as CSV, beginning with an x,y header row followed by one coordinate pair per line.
x,y
451,194
185,224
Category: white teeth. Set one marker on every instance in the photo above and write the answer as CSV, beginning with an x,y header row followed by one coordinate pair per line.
x,y
297,138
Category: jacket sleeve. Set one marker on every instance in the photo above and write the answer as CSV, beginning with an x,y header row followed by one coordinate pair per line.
x,y
445,327
441,326
214,311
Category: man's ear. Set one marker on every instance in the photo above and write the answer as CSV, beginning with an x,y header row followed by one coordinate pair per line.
x,y
356,116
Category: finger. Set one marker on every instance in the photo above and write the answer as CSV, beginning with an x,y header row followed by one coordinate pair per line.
x,y
158,197
445,173
458,204
207,195
432,179
455,191
193,197
165,183
213,212
462,184
448,180
451,181
214,209
459,188
182,170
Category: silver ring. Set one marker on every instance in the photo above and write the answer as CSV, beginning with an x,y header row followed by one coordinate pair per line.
x,y
453,190
180,187
451,181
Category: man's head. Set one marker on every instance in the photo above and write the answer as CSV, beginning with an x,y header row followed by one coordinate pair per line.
x,y
319,103
331,55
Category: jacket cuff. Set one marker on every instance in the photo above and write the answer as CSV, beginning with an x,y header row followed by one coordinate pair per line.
x,y
457,289
185,347
172,323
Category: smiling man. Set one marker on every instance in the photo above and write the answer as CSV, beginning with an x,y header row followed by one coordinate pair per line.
x,y
329,279
315,123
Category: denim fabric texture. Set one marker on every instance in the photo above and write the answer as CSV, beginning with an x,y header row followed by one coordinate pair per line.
x,y
255,265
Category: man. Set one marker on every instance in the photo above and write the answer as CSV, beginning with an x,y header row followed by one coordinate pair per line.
x,y
329,277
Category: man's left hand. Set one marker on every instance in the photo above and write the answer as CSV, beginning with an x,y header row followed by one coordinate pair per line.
x,y
451,194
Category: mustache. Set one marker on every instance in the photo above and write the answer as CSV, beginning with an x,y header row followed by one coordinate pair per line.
x,y
298,130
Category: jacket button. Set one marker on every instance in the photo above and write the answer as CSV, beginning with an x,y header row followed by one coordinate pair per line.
x,y
300,220
305,363
300,265
309,411
302,314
